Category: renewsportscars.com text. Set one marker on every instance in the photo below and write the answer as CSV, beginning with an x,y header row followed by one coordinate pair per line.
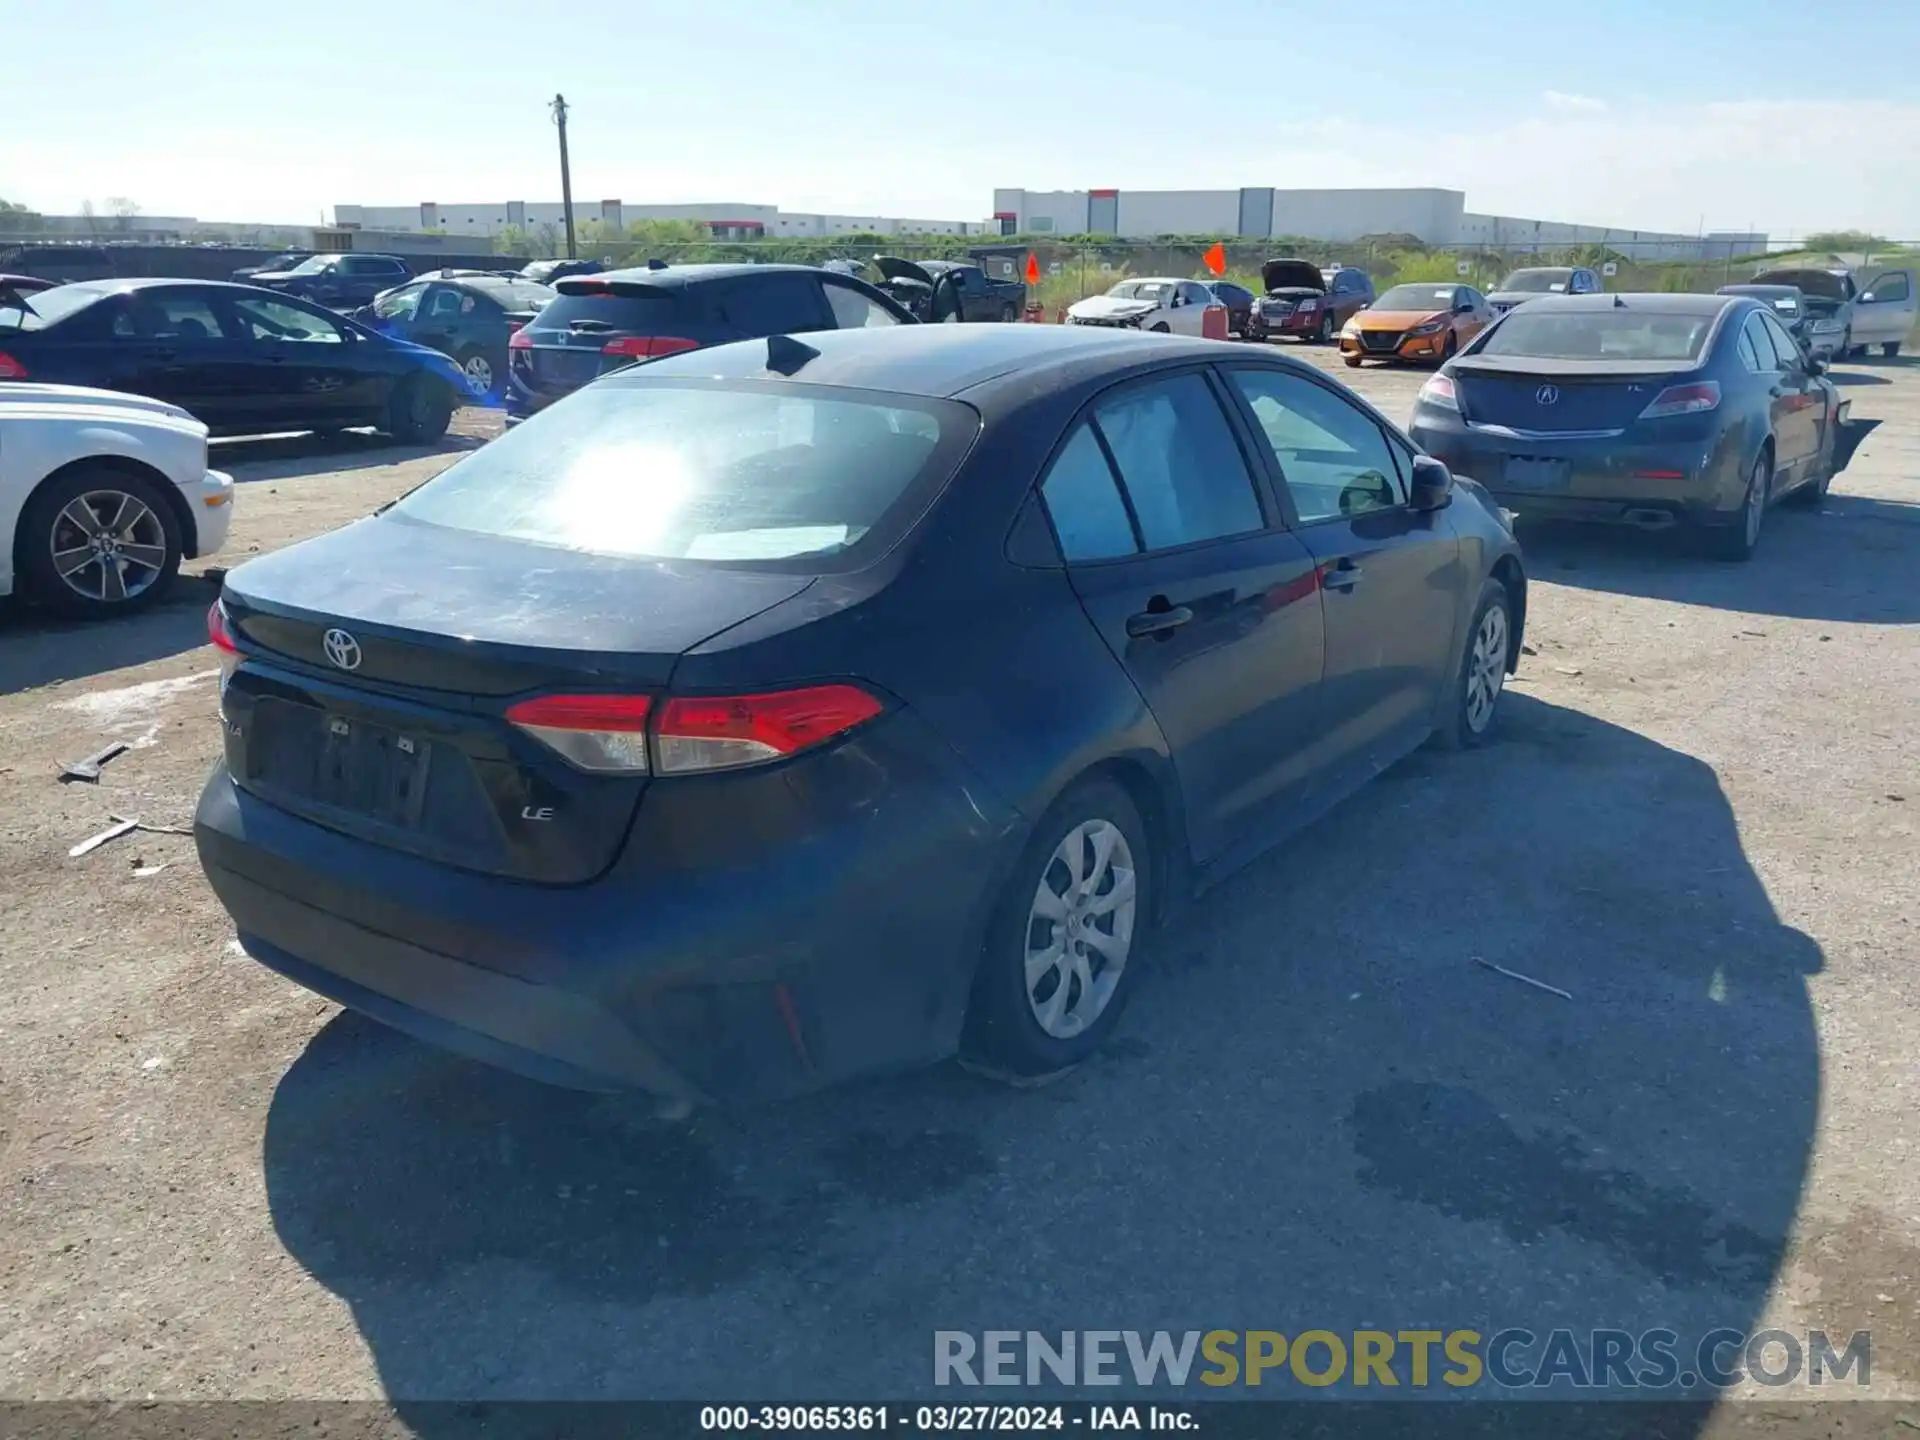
x,y
1511,1358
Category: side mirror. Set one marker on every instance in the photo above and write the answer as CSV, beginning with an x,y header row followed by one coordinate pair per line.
x,y
1465,307
1432,487
1817,365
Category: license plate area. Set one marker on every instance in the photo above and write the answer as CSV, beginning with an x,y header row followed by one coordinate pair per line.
x,y
1531,472
341,762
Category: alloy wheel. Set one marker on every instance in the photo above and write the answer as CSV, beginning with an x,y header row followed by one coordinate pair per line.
x,y
108,546
1080,928
479,372
1486,668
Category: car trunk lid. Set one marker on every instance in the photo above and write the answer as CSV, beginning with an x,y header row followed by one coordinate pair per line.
x,y
373,711
1565,398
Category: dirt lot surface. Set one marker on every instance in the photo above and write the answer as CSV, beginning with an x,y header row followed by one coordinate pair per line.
x,y
1701,823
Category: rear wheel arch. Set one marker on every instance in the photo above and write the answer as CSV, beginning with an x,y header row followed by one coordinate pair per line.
x,y
119,465
1514,581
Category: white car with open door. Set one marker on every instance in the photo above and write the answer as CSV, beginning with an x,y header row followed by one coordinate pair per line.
x,y
1887,310
102,495
1177,307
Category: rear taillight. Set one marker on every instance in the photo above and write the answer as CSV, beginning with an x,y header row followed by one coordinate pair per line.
x,y
609,734
520,340
605,733
220,636
722,732
648,347
1689,399
1439,390
10,368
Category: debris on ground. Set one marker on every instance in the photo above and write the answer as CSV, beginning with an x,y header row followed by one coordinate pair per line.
x,y
1523,979
94,842
1567,669
89,768
142,872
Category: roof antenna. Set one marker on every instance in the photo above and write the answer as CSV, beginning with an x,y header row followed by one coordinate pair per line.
x,y
1619,302
786,355
656,263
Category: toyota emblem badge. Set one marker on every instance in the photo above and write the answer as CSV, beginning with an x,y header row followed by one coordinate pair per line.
x,y
1547,395
342,649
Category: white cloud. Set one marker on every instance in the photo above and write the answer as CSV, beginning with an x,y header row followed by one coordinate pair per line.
x,y
1562,100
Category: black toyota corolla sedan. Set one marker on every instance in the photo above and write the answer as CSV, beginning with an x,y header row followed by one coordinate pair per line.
x,y
795,708
1647,410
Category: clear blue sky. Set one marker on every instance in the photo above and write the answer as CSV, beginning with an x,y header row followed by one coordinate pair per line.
x,y
1662,114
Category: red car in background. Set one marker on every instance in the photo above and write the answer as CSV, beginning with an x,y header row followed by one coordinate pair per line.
x,y
1305,302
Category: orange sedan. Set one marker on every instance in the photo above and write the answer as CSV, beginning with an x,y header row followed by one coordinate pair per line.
x,y
1427,322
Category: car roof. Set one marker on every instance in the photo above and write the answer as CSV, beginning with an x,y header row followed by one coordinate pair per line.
x,y
945,361
1647,302
682,275
123,284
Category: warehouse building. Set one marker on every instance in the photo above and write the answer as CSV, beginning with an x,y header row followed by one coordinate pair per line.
x,y
726,221
1437,217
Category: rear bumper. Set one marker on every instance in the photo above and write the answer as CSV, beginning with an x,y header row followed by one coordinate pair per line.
x,y
1295,326
1608,480
211,501
705,965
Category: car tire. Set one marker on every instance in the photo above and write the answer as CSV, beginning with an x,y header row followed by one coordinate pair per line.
x,y
420,412
1025,1030
66,516
1451,348
1890,348
1008,314
1737,542
1479,680
1323,332
1162,329
480,371
1353,361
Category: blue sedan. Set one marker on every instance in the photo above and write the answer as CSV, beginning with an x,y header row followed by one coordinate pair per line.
x,y
242,360
1645,410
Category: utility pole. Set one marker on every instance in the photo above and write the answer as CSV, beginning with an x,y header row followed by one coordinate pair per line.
x,y
559,108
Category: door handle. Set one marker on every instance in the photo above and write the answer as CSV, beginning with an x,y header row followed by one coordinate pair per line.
x,y
1342,576
1158,622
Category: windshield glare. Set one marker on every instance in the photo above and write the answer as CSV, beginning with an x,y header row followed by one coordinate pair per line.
x,y
657,471
1154,290
312,266
1538,282
1416,297
1598,335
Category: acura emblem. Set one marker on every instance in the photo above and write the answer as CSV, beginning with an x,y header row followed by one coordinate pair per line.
x,y
1547,395
342,649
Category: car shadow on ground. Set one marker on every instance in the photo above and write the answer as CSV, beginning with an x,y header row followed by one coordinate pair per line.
x,y
287,457
1856,377
1320,1112
39,649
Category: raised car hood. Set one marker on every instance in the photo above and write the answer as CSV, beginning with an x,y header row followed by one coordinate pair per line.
x,y
1824,284
1111,307
894,268
1292,276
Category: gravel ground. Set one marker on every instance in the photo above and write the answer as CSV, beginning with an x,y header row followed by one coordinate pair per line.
x,y
1320,1112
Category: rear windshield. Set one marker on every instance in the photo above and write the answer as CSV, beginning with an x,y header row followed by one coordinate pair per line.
x,y
43,307
1598,335
515,294
313,265
603,312
1537,282
794,476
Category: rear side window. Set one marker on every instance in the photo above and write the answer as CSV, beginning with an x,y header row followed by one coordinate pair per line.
x,y
604,311
853,310
163,315
776,304
1181,466
1084,503
1750,343
792,476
